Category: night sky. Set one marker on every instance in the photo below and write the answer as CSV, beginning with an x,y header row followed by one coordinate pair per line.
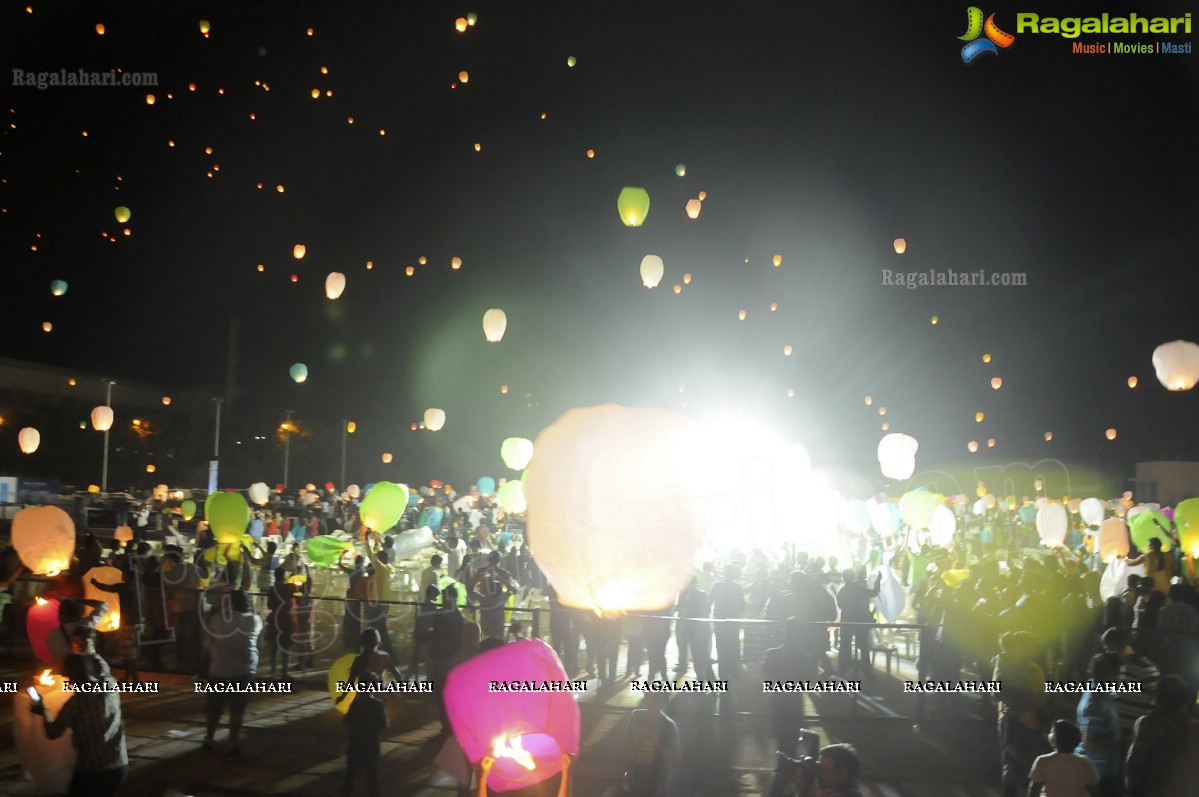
x,y
820,132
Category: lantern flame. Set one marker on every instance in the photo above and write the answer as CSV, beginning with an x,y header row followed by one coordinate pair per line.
x,y
42,601
54,568
45,679
511,748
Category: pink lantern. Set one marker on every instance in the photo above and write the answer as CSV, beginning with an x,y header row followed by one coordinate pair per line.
x,y
526,733
41,620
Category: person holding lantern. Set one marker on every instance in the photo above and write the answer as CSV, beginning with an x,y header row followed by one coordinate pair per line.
x,y
70,618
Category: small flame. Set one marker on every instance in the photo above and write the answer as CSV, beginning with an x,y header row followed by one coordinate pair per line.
x,y
512,748
111,622
45,679
52,572
42,602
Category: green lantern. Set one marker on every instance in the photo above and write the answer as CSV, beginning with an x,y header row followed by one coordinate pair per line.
x,y
511,496
189,509
383,506
633,205
325,550
1186,518
516,452
228,515
1147,525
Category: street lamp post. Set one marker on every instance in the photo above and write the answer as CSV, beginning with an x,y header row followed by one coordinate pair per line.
x,y
286,448
108,383
214,465
346,428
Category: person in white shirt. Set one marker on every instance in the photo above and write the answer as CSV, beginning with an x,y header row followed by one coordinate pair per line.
x,y
233,630
1063,773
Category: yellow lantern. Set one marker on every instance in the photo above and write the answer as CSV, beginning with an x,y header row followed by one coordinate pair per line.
x,y
702,195
778,260
934,320
387,458
633,205
122,214
571,61
1132,381
460,24
687,278
1048,436
434,419
44,538
166,401
986,358
298,251
677,288
694,206
151,468
464,76
978,417
456,263
351,427
205,27
102,418
150,99
471,19
900,245
47,326
495,322
29,439
1110,434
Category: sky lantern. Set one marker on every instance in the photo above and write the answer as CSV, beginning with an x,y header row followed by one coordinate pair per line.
x,y
299,372
39,622
383,505
633,205
151,468
916,508
29,439
47,326
1147,524
151,99
897,456
434,419
455,263
1092,511
58,287
530,736
228,515
512,497
687,278
611,514
1052,524
900,245
778,260
1048,436
123,534
1132,381
464,76
102,418
298,251
1186,519
1113,539
409,271
335,283
972,446
996,383
702,196
787,350
942,526
188,509
680,169
986,358
934,320
571,61
387,458
504,389
990,442
100,28
460,24
123,214
495,321
741,315
774,306
108,576
1177,364
1110,434
166,401
44,537
471,19
978,417
259,493
516,452
205,27
677,288
694,206
869,400
882,410
652,269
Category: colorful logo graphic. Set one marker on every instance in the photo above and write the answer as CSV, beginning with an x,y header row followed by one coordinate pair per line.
x,y
975,27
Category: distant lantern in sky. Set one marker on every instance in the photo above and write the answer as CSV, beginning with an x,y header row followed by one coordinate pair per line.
x,y
166,401
787,350
652,269
102,418
151,468
434,419
471,19
387,458
934,320
504,389
464,76
47,326
687,278
261,268
1132,381
778,261
986,358
996,383
150,99
298,251
335,284
100,28
978,417
972,446
1048,436
478,146
351,427
774,306
1177,364
897,456
990,442
122,214
901,246
316,93
299,372
495,321
869,400
694,206
680,169
882,410
409,271
205,27
58,287
741,315
633,205
702,196
1110,434
677,288
460,24
422,260
571,61
29,439
885,426
456,263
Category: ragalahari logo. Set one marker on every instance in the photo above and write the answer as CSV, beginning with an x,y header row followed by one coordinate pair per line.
x,y
975,27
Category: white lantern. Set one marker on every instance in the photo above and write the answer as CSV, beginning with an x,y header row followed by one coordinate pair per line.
x,y
335,283
694,206
511,497
495,321
434,419
102,418
259,493
897,456
44,537
943,526
354,491
1091,510
1177,364
29,439
900,245
1052,523
611,510
516,452
652,269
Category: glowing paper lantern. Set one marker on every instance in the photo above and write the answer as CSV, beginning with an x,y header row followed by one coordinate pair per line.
x,y
434,419
1132,381
778,261
1177,364
1091,510
299,372
335,283
972,446
44,538
652,269
205,27
1052,524
1147,524
633,205
102,418
471,19
355,491
58,287
298,251
495,321
325,550
1186,518
386,458
694,206
460,24
259,493
39,622
123,534
29,439
123,214
900,245
455,263
979,416
609,509
916,508
1113,539
108,576
942,526
897,456
1048,436
464,76
512,497
527,733
486,485
383,506
571,61
680,169
339,672
996,383
1110,434
188,509
228,516
516,452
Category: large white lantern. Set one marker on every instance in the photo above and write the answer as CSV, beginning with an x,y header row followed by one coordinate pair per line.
x,y
917,507
29,439
259,493
335,283
652,269
897,456
612,513
495,321
434,419
102,418
44,537
1092,510
1052,523
516,452
1177,364
943,525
